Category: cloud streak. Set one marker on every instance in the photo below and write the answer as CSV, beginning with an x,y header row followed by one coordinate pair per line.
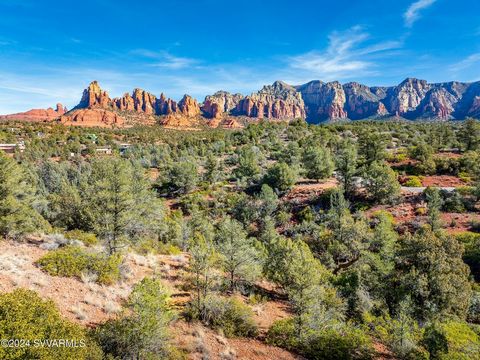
x,y
466,63
164,59
413,12
348,52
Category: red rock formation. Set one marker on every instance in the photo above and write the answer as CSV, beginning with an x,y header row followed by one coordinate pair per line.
x,y
361,102
324,101
37,114
188,106
166,106
92,117
279,101
438,103
221,103
94,96
407,96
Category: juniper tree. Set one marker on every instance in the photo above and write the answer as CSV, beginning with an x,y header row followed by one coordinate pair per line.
x,y
381,183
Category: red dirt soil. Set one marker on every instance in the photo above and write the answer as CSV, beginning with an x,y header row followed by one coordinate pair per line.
x,y
442,181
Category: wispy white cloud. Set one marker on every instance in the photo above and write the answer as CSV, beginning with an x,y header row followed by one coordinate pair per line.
x,y
348,52
164,59
465,63
413,12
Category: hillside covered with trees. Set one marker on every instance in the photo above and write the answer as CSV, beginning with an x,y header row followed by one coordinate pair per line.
x,y
355,240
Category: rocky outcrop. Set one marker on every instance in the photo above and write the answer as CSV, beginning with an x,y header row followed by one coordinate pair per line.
x,y
276,101
407,96
361,102
140,107
437,103
188,106
37,115
140,101
323,101
93,117
316,101
94,96
220,103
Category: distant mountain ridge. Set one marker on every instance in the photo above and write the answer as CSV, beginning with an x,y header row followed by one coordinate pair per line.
x,y
315,101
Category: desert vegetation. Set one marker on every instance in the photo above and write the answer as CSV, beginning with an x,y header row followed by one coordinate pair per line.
x,y
355,240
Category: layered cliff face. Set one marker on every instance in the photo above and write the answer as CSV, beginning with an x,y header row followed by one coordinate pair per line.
x,y
361,102
93,117
276,101
222,102
407,96
323,101
411,99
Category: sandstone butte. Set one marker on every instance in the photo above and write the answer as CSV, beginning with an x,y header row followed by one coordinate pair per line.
x,y
314,101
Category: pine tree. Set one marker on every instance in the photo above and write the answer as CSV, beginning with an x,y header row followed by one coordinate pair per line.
x,y
434,201
318,163
112,204
346,164
201,266
431,271
240,256
17,215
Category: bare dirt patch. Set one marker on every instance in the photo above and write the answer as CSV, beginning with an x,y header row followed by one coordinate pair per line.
x,y
442,181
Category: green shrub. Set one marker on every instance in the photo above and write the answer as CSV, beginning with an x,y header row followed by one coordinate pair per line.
x,y
451,340
282,333
413,181
142,332
332,344
230,315
73,261
156,247
88,239
345,343
24,315
471,255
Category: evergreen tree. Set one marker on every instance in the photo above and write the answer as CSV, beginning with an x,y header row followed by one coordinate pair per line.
x,y
318,163
430,270
17,216
201,267
381,183
142,332
434,201
240,256
281,177
346,163
111,201
469,134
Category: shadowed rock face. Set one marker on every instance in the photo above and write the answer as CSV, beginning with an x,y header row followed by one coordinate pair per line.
x,y
362,102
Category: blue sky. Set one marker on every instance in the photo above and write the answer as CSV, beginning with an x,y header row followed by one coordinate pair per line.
x,y
50,50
